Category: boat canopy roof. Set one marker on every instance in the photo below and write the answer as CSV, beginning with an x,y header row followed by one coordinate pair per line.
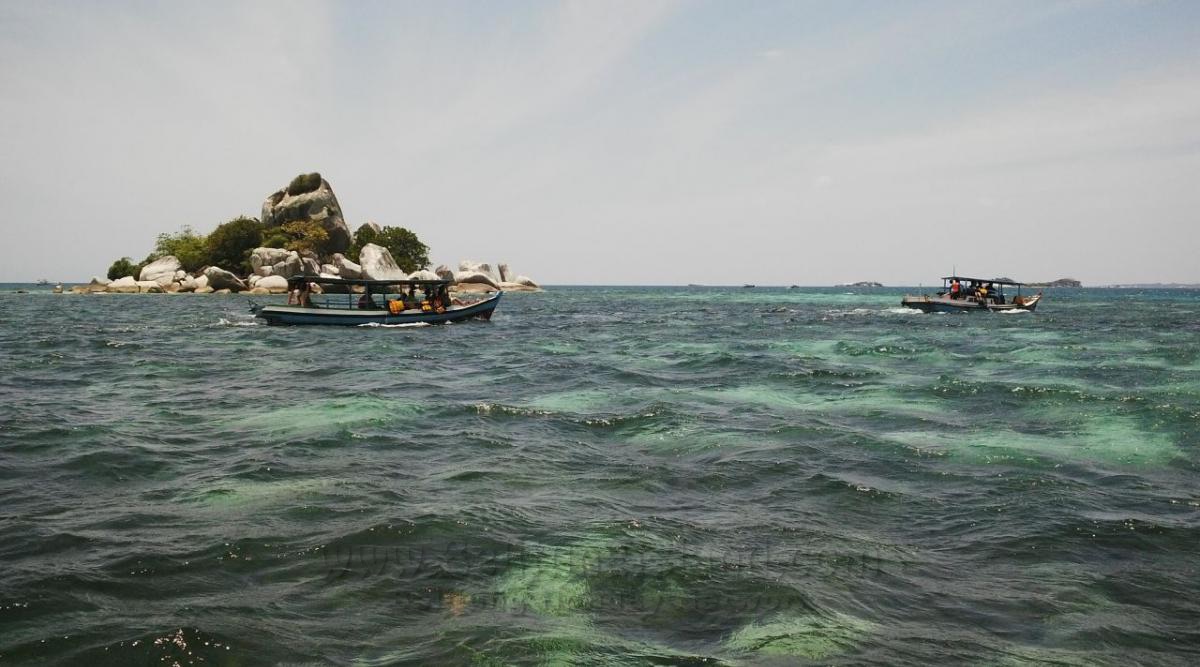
x,y
297,280
997,281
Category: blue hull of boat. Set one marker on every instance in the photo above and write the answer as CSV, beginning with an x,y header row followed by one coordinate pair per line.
x,y
930,304
295,315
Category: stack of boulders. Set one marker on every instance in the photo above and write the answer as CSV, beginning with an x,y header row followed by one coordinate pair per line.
x,y
272,267
308,198
164,275
474,276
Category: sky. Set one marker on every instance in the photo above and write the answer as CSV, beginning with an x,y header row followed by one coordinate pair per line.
x,y
621,142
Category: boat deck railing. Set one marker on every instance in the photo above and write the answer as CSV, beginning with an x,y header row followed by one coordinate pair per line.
x,y
350,301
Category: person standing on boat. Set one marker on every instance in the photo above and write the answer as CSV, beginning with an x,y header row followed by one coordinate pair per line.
x,y
955,289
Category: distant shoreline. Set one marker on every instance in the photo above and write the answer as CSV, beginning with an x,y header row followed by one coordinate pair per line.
x,y
40,287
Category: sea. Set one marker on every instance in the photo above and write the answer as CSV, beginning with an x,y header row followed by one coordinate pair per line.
x,y
602,476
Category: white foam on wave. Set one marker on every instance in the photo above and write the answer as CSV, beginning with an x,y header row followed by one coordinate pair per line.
x,y
1016,310
238,323
871,312
404,325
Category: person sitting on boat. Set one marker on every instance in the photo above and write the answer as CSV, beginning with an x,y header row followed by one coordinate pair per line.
x,y
955,289
365,302
299,296
983,292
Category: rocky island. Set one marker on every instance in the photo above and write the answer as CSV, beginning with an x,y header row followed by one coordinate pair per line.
x,y
301,232
1061,282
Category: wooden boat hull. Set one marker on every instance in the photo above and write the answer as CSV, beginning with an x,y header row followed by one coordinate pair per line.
x,y
296,315
942,304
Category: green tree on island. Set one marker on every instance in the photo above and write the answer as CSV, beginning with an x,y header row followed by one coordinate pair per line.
x,y
304,183
230,244
187,246
306,235
408,251
122,268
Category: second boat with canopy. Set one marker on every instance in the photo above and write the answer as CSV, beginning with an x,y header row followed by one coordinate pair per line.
x,y
965,294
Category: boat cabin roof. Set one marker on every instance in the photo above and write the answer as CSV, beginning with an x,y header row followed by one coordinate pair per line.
x,y
997,281
295,281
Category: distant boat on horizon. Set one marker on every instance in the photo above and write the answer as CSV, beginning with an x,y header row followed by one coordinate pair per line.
x,y
748,286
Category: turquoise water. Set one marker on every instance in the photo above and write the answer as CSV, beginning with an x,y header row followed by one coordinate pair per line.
x,y
602,476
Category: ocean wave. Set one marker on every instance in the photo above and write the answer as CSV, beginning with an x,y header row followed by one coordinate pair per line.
x,y
871,312
405,325
223,322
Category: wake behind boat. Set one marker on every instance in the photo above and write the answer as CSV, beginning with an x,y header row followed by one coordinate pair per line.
x,y
347,302
964,294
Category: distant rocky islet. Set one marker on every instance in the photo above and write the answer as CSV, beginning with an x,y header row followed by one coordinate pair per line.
x,y
309,198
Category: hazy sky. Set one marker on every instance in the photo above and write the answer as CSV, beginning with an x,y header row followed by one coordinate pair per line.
x,y
621,142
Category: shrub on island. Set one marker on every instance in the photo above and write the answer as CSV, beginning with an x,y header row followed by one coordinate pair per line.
x,y
186,245
230,243
303,184
123,268
306,235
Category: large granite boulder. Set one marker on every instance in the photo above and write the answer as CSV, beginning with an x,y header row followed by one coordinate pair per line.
x,y
377,264
286,263
151,286
475,277
346,268
424,274
308,197
476,288
273,284
444,273
201,282
479,267
126,285
161,270
97,284
220,279
526,281
371,225
290,267
263,260
506,276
